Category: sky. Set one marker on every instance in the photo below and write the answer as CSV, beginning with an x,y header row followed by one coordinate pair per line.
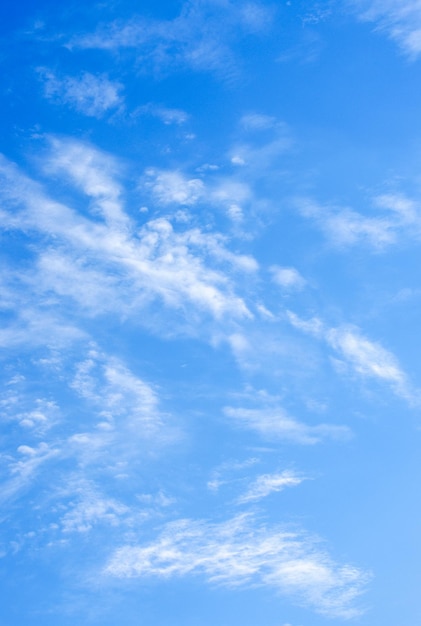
x,y
210,300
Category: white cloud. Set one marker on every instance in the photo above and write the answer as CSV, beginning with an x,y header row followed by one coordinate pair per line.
x,y
184,269
93,172
263,140
399,19
399,217
24,468
88,94
287,277
200,37
367,358
239,553
76,457
126,406
165,114
266,484
222,474
88,508
274,423
172,187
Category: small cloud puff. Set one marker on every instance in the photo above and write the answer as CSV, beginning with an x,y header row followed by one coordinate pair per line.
x,y
287,277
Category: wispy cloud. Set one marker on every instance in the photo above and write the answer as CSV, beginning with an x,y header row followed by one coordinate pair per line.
x,y
266,484
393,216
274,423
92,95
240,553
126,406
93,172
367,358
126,267
173,188
166,114
200,37
88,507
264,139
80,449
23,468
223,474
399,19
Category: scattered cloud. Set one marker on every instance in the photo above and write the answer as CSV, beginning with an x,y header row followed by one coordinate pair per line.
x,y
399,19
23,468
124,401
201,37
88,508
118,267
89,94
240,553
93,172
287,277
222,474
367,358
85,457
172,187
266,484
273,423
397,216
167,115
263,141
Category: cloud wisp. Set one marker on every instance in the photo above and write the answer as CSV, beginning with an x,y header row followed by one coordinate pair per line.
x,y
118,267
395,217
89,94
365,357
242,553
399,19
201,37
274,424
266,484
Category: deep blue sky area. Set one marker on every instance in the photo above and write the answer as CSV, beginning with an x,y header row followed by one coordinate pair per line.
x,y
210,303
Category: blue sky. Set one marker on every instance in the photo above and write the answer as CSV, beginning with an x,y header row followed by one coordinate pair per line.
x,y
210,304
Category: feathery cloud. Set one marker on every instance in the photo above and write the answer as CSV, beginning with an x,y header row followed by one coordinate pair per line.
x,y
92,95
240,553
368,358
201,37
266,484
399,19
274,423
395,217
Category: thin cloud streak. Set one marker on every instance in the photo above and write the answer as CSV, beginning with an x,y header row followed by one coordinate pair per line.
x,y
201,37
273,423
399,19
367,358
266,484
89,94
240,553
395,218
